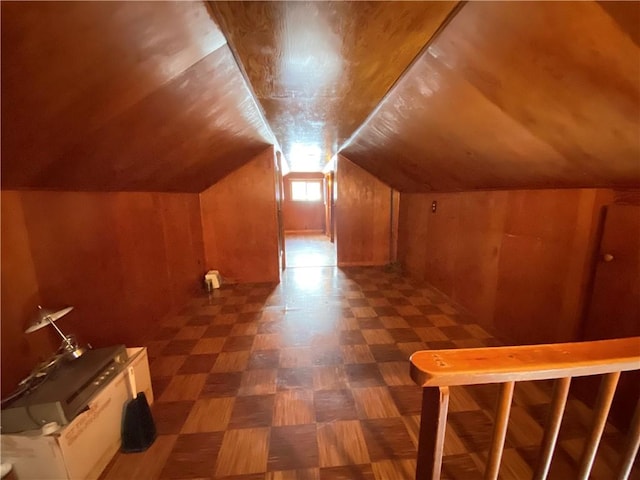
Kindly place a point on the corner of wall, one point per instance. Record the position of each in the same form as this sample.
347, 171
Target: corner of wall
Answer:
20, 296
363, 216
239, 223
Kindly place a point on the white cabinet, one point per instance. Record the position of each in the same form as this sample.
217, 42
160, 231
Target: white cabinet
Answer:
83, 448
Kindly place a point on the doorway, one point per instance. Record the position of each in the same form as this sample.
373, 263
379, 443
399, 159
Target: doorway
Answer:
614, 308
307, 220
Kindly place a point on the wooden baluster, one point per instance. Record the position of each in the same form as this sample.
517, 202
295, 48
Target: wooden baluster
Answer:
499, 431
433, 424
475, 366
560, 393
631, 449
601, 411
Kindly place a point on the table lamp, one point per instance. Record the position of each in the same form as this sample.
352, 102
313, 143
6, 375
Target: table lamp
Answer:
69, 347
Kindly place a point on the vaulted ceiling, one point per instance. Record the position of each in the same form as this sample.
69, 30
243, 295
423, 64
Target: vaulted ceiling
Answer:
122, 96
319, 68
428, 96
514, 95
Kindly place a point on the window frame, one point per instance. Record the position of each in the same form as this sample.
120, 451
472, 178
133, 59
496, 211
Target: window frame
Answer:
306, 181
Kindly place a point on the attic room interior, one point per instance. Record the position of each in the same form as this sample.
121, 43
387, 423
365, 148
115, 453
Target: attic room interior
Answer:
475, 169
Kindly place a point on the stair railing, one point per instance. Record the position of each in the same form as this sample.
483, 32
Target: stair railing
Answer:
437, 370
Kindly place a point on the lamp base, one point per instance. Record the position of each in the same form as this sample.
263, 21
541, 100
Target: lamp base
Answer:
70, 349
77, 352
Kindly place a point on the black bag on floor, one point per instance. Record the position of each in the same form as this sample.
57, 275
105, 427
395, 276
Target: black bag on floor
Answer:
138, 427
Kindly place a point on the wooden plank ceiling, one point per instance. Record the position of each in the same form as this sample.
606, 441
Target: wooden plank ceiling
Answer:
122, 96
319, 68
514, 95
428, 96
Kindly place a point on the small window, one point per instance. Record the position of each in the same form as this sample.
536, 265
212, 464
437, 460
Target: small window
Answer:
303, 191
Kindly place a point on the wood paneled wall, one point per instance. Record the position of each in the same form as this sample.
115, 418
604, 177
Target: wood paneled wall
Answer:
363, 217
519, 260
20, 297
123, 260
239, 223
301, 216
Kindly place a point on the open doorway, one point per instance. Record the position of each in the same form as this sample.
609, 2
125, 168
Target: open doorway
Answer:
307, 218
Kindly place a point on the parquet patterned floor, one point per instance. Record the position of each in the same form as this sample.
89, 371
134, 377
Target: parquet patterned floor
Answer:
309, 380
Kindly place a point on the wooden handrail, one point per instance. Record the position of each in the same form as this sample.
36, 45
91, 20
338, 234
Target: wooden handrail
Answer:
475, 366
437, 370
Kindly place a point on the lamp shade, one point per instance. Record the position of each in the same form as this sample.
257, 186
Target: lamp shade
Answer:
45, 316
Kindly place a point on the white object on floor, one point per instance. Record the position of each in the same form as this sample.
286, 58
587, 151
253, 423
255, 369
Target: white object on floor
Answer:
50, 428
212, 279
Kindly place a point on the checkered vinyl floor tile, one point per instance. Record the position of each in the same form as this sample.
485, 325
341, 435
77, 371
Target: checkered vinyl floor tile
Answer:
309, 379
